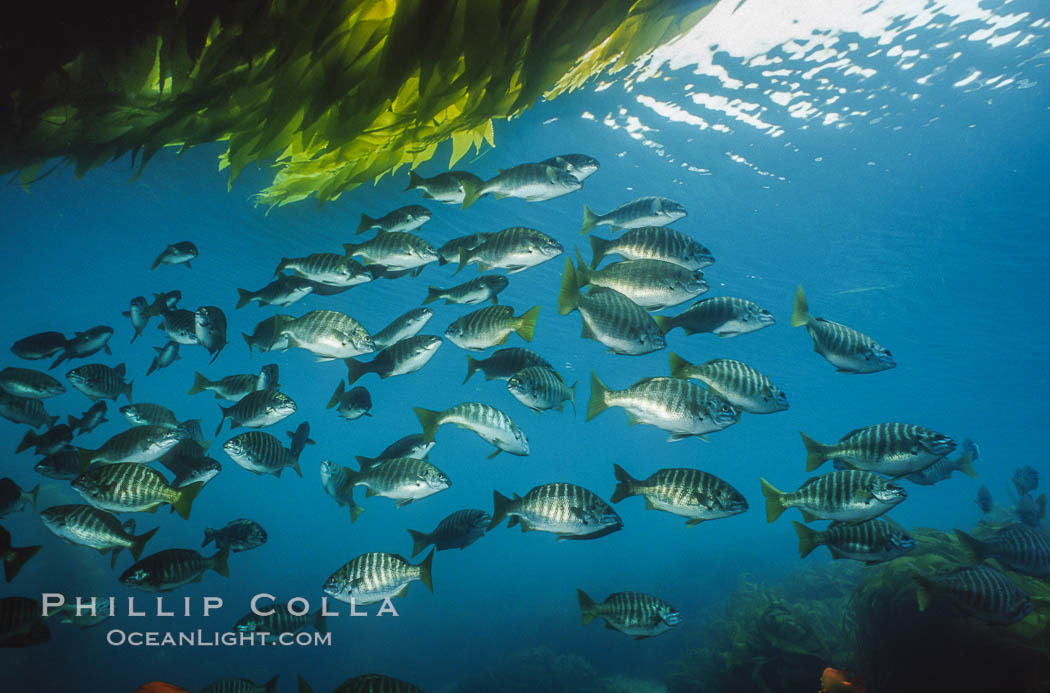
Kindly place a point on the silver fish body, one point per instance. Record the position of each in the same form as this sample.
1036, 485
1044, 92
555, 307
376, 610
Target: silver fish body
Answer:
736, 382
609, 317
329, 335
636, 214
725, 316
567, 510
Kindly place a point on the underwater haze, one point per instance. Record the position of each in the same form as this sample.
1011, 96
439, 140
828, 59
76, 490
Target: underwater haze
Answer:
889, 157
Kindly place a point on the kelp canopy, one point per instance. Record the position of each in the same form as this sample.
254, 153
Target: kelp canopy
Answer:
336, 92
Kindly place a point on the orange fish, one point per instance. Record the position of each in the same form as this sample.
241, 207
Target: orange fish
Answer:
159, 687
837, 681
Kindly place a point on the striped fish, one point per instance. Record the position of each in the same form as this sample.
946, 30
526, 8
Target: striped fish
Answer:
176, 253
232, 685
491, 425
504, 363
652, 284
14, 557
21, 623
412, 445
894, 449
1018, 547
262, 453
210, 326
91, 419
402, 479
406, 356
394, 250
567, 510
848, 496
280, 620
99, 381
180, 325
445, 187
373, 577
451, 251
610, 317
540, 388
339, 485
725, 316
402, 327
257, 409
579, 166
283, 291
328, 334
351, 404
172, 568
94, 528
632, 613
943, 468
736, 382
530, 182
872, 542
491, 325
368, 683
653, 243
83, 344
478, 290
636, 214
26, 382
843, 347
63, 465
190, 469
680, 407
979, 590
407, 218
25, 411
240, 535
269, 334
142, 444
689, 493
457, 531
166, 355
146, 414
232, 387
330, 269
128, 487
48, 442
514, 249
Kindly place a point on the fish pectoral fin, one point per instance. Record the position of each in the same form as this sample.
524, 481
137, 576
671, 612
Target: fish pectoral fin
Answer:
634, 420
649, 504
403, 502
676, 437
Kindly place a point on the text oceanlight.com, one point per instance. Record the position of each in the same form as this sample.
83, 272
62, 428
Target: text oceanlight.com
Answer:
200, 638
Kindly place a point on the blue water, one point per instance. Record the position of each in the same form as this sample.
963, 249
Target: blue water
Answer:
922, 223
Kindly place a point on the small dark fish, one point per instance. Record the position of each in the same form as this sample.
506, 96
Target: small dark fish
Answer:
175, 254
13, 498
1026, 479
63, 465
166, 355
444, 187
47, 443
139, 315
579, 166
407, 218
979, 590
843, 347
179, 325
167, 570
86, 344
352, 404
14, 557
43, 345
631, 613
147, 414
942, 469
99, 381
984, 499
1018, 547
25, 411
1031, 510
413, 445
300, 438
269, 334
504, 363
269, 377
240, 535
338, 482
874, 541
283, 291
279, 620
478, 290
190, 469
725, 316
29, 383
457, 531
89, 420
164, 302
210, 328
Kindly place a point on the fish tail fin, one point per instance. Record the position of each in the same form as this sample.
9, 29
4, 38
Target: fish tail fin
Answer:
473, 365
355, 511
583, 272
280, 266
774, 501
966, 464
337, 395
800, 312
500, 506
225, 411
527, 323
127, 390
808, 539
599, 247
424, 570
354, 370
572, 397
471, 192
569, 294
187, 495
320, 621
598, 401
16, 559
73, 422
624, 484
243, 297
420, 541
271, 685
414, 181
974, 549
304, 687
590, 220
33, 494
816, 453
587, 607
200, 383
677, 364
61, 357
367, 222
433, 294
28, 440
365, 462
923, 590
139, 543
209, 536
429, 420
219, 561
